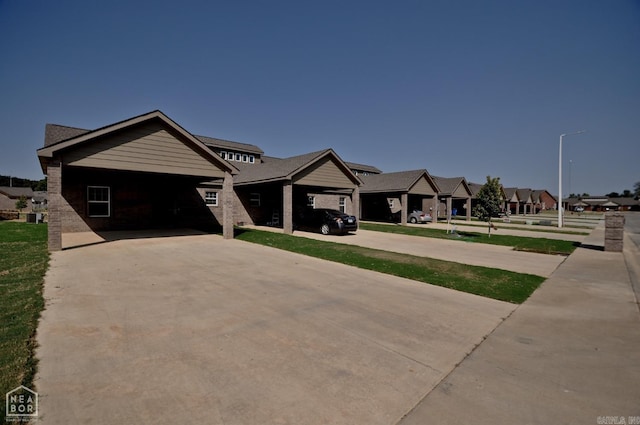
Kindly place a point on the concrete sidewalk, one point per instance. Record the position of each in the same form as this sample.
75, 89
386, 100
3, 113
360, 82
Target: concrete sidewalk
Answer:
504, 229
570, 354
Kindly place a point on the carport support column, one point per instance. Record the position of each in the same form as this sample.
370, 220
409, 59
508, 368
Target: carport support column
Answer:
449, 208
355, 202
227, 203
54, 188
469, 209
434, 210
404, 200
287, 207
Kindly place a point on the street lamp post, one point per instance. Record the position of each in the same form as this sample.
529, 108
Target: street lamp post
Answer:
560, 216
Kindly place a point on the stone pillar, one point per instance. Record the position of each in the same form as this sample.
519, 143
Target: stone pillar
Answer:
469, 209
54, 189
404, 200
613, 232
434, 212
227, 206
287, 207
355, 202
449, 208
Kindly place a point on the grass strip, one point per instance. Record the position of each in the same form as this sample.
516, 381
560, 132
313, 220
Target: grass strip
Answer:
535, 228
484, 281
520, 243
23, 263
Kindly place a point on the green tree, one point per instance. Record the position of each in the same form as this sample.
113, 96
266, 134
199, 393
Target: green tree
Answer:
21, 203
489, 201
636, 190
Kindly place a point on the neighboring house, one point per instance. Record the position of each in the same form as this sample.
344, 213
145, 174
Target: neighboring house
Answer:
142, 172
601, 203
526, 201
543, 200
10, 195
511, 200
39, 200
388, 194
456, 194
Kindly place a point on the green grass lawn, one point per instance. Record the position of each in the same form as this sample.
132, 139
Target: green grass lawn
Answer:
493, 283
531, 228
23, 263
541, 245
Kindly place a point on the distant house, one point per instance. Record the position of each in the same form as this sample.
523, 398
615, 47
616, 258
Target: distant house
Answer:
525, 201
601, 203
386, 195
10, 195
456, 194
543, 200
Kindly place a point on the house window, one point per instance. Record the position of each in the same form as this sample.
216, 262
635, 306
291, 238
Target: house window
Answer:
223, 155
245, 158
229, 156
252, 159
211, 198
238, 157
254, 199
311, 201
342, 204
98, 201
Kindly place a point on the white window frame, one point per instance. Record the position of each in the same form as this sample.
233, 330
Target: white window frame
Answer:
230, 156
252, 159
212, 200
342, 204
245, 157
254, 199
238, 157
311, 201
223, 154
90, 201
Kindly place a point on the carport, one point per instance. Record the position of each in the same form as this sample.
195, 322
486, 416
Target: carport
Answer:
456, 194
273, 191
386, 195
140, 173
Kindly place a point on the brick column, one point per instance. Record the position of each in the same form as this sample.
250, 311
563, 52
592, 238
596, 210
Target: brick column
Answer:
449, 208
404, 200
469, 209
227, 206
434, 212
287, 207
613, 232
355, 202
54, 192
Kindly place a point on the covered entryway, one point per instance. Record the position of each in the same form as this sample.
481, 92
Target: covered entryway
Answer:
141, 173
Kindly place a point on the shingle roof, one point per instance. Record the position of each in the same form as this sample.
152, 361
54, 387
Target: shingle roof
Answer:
400, 181
510, 191
273, 169
524, 194
363, 167
228, 144
16, 192
475, 188
54, 133
448, 185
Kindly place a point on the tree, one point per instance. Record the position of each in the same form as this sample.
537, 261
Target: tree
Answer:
21, 203
636, 190
489, 201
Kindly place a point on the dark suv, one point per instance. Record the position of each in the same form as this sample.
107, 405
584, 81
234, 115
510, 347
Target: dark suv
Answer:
325, 221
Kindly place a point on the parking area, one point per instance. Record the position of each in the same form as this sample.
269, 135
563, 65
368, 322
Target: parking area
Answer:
198, 329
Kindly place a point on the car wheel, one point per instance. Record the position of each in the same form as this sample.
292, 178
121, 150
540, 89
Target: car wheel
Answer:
413, 220
324, 229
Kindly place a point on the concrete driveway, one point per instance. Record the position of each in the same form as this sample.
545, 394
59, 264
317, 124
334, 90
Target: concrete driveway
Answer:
195, 329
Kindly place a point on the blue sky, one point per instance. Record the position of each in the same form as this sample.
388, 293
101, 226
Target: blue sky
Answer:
471, 88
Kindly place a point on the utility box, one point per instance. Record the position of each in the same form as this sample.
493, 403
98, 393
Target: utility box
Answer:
613, 232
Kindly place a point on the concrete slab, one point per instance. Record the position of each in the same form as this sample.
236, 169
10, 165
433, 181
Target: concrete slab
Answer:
477, 254
196, 329
568, 355
504, 229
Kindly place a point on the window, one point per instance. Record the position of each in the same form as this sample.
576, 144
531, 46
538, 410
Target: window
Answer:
223, 155
238, 157
211, 198
252, 159
245, 158
311, 201
342, 204
98, 201
230, 156
254, 199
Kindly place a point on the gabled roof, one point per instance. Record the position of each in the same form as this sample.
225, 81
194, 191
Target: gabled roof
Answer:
509, 192
363, 167
475, 188
449, 185
537, 193
276, 169
524, 194
56, 139
16, 192
400, 181
228, 144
